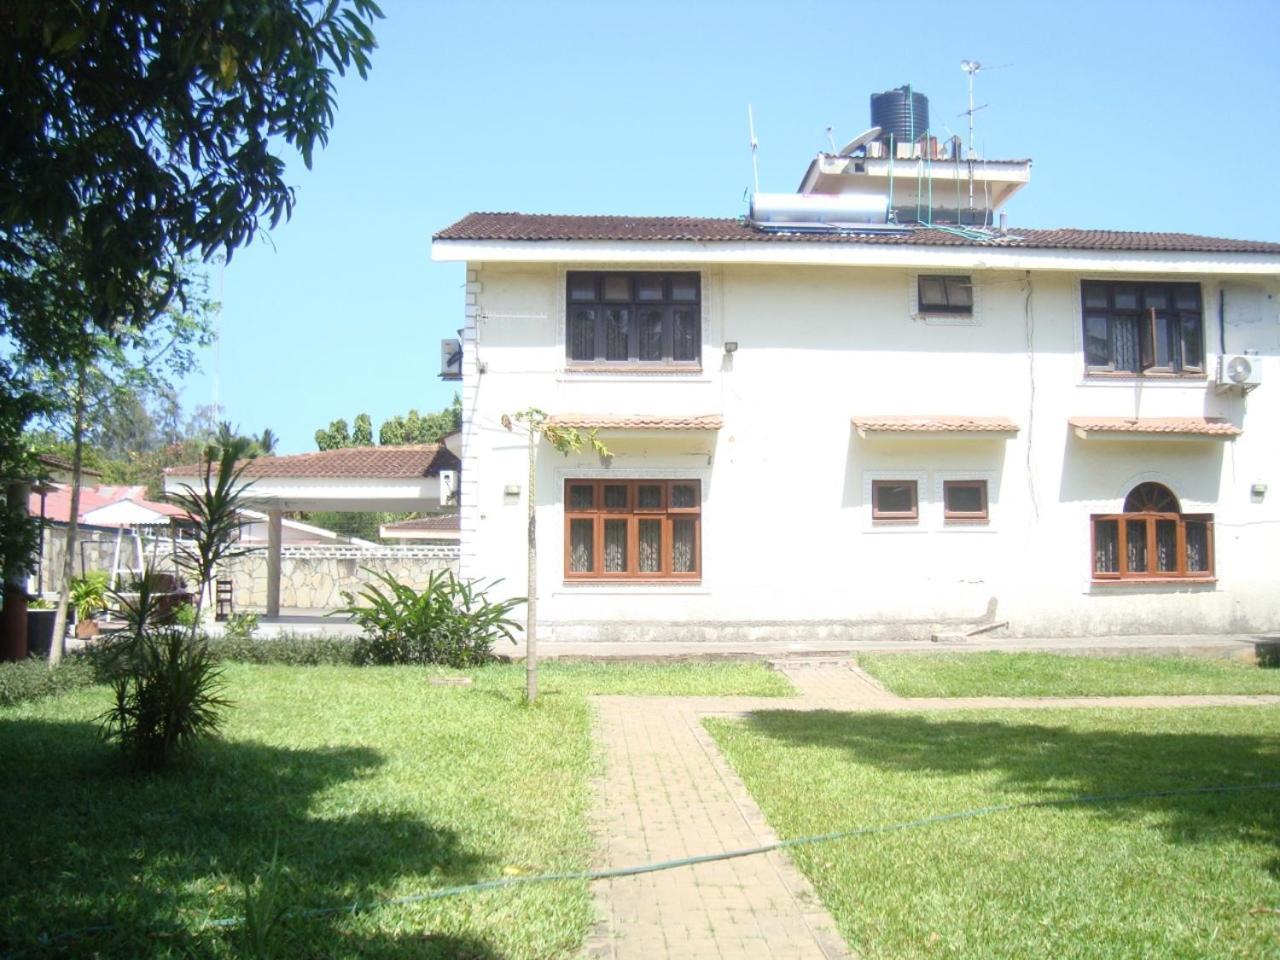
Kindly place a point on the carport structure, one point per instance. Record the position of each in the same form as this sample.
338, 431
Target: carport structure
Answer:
349, 480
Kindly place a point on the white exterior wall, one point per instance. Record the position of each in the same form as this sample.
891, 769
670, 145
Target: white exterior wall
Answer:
789, 549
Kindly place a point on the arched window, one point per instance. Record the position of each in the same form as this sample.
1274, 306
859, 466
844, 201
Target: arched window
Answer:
1152, 539
1151, 498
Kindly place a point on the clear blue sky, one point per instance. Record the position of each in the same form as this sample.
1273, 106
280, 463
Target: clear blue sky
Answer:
1138, 115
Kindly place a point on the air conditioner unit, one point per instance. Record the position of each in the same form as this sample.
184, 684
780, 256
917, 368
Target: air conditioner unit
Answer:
450, 360
1241, 370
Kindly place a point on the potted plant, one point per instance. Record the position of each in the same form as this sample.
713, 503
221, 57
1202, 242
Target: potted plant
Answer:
40, 616
88, 596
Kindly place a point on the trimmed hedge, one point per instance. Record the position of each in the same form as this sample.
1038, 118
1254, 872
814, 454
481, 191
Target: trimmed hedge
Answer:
32, 679
295, 649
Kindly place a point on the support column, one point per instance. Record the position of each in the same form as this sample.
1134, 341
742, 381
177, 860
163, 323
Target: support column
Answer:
274, 537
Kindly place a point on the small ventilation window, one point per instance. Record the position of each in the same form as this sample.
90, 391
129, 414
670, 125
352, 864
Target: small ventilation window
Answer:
894, 500
946, 294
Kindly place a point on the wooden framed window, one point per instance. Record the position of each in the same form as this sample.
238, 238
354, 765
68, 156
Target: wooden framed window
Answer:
1142, 329
634, 319
945, 294
1152, 540
633, 529
965, 501
895, 500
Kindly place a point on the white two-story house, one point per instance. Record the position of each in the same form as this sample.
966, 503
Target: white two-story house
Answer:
857, 414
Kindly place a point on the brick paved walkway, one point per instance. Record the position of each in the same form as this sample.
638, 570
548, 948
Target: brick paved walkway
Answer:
666, 793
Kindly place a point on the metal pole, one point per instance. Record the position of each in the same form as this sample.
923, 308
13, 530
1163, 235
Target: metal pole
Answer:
531, 607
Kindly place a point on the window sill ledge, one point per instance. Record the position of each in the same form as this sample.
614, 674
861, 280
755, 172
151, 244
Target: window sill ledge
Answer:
631, 581
932, 319
635, 588
633, 370
1130, 380
1156, 581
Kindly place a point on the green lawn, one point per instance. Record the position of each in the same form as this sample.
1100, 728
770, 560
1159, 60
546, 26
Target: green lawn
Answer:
1052, 675
1187, 876
369, 782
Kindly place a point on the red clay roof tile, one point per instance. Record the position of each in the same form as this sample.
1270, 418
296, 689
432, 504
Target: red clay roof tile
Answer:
588, 421
376, 463
1193, 426
556, 227
928, 423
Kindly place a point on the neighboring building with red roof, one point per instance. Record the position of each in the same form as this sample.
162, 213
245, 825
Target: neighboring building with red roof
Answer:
104, 505
873, 407
441, 528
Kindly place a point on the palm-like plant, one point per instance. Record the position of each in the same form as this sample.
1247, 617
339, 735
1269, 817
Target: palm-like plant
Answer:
214, 512
166, 683
167, 696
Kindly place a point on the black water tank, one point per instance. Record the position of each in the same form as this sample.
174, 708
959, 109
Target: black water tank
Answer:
901, 112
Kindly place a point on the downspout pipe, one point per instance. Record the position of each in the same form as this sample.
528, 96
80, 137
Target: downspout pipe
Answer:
1222, 320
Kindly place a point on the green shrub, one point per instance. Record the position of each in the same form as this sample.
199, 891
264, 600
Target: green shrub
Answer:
241, 626
450, 621
185, 615
33, 678
89, 594
167, 693
291, 649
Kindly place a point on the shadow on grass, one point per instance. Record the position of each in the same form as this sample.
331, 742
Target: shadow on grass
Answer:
87, 845
1043, 762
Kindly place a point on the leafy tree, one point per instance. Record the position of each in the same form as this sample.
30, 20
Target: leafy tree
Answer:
156, 127
107, 368
134, 133
362, 431
267, 442
416, 428
411, 428
335, 437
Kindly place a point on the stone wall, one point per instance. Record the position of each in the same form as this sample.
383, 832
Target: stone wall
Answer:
94, 549
315, 577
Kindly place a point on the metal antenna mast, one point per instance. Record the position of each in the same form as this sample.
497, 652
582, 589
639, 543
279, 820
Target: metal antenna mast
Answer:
971, 67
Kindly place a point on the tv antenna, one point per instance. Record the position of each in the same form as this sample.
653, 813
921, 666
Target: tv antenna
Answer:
971, 67
755, 145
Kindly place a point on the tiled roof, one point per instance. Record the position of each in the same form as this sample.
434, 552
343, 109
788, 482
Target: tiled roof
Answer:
588, 421
1190, 426
926, 423
57, 502
555, 227
444, 521
376, 463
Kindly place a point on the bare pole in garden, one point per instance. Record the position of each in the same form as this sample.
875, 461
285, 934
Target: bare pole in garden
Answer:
567, 440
